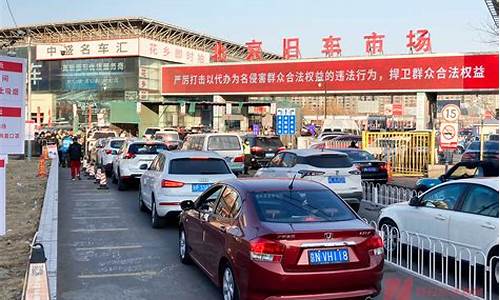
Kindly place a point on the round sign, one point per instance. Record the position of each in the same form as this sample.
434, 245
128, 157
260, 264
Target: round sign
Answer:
451, 112
448, 132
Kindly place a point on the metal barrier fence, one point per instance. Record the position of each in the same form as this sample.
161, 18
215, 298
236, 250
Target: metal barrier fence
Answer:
461, 268
383, 194
408, 152
337, 144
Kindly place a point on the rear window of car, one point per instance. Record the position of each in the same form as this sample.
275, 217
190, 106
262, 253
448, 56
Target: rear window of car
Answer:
151, 131
116, 144
167, 136
359, 155
268, 142
223, 142
488, 146
100, 135
326, 161
145, 148
300, 206
188, 166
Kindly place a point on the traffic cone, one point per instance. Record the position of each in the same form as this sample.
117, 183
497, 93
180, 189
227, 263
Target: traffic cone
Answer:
389, 171
98, 176
91, 171
84, 166
42, 169
103, 182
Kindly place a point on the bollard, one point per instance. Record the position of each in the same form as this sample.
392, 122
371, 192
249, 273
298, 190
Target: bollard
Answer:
37, 286
91, 171
42, 168
98, 176
103, 182
84, 166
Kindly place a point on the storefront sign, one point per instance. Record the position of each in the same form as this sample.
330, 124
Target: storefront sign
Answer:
121, 48
374, 74
12, 87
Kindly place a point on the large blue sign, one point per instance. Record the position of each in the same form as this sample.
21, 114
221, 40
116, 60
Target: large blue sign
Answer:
285, 121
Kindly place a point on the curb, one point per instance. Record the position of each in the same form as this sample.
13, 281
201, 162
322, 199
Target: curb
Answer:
47, 229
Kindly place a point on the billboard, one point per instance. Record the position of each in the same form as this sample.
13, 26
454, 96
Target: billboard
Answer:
452, 72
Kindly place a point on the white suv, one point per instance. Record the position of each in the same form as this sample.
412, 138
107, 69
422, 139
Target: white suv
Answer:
177, 176
333, 169
108, 152
133, 159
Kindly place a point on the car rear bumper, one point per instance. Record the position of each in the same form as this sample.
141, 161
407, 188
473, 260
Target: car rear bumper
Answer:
270, 282
170, 204
351, 197
374, 177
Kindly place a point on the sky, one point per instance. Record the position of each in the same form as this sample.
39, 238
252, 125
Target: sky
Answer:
455, 25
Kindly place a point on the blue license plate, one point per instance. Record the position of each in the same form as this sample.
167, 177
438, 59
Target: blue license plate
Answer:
197, 188
336, 179
326, 257
269, 155
370, 169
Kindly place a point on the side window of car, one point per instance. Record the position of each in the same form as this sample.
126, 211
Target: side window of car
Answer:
289, 160
464, 172
208, 200
444, 197
187, 143
161, 163
277, 161
229, 204
482, 201
154, 163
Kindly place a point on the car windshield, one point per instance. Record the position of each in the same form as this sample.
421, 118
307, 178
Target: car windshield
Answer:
151, 131
268, 142
200, 166
223, 142
146, 148
358, 155
300, 206
488, 146
100, 135
116, 144
326, 161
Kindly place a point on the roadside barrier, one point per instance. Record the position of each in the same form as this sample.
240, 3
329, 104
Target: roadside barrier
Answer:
103, 182
98, 175
384, 194
461, 268
91, 171
36, 282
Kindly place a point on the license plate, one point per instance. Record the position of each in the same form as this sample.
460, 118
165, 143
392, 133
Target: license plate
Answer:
336, 179
269, 155
197, 188
370, 169
326, 257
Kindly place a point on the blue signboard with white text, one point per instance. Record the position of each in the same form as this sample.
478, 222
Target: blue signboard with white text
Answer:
285, 121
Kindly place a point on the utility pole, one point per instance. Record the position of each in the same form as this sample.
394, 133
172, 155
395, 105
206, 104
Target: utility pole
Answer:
28, 94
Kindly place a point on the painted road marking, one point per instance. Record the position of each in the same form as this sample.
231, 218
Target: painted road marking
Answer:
112, 207
94, 200
91, 276
109, 248
99, 230
96, 217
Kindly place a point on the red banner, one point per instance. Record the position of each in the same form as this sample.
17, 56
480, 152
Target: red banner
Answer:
376, 74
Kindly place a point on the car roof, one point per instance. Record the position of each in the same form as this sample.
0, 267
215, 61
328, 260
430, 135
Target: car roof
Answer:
214, 134
166, 131
311, 152
272, 184
142, 141
189, 154
491, 182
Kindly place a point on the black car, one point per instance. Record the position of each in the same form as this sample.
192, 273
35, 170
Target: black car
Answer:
490, 151
263, 148
371, 169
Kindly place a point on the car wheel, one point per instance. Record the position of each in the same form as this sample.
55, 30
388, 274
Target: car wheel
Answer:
229, 287
142, 207
183, 248
390, 233
495, 269
156, 220
121, 184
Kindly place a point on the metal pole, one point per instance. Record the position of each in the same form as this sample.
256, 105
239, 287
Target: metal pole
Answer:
28, 94
325, 112
481, 140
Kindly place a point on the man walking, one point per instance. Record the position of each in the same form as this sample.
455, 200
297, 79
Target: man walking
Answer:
247, 157
75, 156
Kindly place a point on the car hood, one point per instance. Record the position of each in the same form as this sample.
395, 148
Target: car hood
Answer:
428, 182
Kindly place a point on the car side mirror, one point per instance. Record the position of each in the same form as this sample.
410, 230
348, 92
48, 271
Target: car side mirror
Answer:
187, 205
143, 167
442, 178
414, 201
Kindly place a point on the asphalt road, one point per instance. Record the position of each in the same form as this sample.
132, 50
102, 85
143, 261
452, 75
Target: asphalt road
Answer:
108, 250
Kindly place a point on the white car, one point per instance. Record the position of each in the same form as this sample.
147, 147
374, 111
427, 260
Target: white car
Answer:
227, 145
177, 176
333, 169
460, 212
150, 131
133, 159
108, 152
93, 137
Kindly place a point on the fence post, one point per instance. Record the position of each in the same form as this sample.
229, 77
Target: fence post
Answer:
432, 147
375, 193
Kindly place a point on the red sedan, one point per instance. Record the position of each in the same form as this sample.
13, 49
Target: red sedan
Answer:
280, 239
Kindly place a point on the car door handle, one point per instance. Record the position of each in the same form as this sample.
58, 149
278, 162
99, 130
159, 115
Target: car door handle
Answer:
440, 217
222, 228
488, 225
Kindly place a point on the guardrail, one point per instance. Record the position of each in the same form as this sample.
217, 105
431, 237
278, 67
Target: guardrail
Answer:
384, 194
460, 268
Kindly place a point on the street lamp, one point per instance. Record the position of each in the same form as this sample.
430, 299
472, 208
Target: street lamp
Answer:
322, 84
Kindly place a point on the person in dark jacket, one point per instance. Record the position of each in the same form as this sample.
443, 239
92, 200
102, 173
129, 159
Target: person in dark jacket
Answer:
75, 157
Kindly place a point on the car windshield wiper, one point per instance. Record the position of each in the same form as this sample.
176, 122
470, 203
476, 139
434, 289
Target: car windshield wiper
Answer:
208, 173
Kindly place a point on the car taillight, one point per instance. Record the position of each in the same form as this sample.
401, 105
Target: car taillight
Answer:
266, 250
256, 149
281, 149
171, 184
108, 151
382, 167
129, 155
239, 158
375, 245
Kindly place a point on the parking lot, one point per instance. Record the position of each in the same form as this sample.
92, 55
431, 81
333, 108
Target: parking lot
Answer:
108, 250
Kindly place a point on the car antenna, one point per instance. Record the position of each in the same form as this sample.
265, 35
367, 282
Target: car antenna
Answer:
290, 186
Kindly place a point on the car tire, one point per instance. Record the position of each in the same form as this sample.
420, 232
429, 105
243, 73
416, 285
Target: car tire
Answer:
184, 248
142, 206
386, 226
156, 221
121, 185
229, 287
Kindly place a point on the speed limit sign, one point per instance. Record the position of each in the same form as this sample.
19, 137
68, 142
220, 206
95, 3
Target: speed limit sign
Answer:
451, 113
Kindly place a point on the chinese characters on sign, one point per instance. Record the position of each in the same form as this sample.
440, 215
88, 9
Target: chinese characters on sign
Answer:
291, 48
12, 79
374, 43
254, 49
219, 53
331, 46
396, 73
419, 42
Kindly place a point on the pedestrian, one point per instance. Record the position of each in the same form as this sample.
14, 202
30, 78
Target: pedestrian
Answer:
353, 145
66, 142
248, 157
75, 157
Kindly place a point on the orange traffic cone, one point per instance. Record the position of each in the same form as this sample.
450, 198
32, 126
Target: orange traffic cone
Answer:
389, 171
103, 182
42, 169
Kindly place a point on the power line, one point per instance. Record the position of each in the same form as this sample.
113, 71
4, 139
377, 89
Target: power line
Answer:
10, 12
